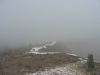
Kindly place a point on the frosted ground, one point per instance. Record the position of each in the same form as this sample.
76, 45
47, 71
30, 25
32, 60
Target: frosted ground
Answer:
69, 69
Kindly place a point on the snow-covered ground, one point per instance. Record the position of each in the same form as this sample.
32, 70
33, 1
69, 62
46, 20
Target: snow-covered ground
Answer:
35, 50
69, 69
71, 54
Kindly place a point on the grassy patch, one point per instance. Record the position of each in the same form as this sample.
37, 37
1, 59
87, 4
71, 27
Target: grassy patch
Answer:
19, 64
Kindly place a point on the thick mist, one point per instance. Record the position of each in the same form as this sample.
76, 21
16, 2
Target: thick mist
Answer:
31, 21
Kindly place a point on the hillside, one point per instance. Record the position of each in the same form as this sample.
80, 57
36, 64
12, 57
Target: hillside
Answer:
34, 61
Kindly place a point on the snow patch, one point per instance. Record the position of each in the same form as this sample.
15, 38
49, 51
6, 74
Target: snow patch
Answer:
35, 50
82, 60
69, 69
44, 52
71, 54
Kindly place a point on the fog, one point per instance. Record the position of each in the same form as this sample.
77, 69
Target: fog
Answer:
31, 21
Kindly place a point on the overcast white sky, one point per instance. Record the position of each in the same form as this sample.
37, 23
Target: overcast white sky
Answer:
24, 21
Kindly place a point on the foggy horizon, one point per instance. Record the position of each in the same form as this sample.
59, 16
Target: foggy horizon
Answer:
23, 22
49, 37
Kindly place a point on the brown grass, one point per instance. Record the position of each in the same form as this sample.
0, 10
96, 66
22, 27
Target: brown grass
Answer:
20, 64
